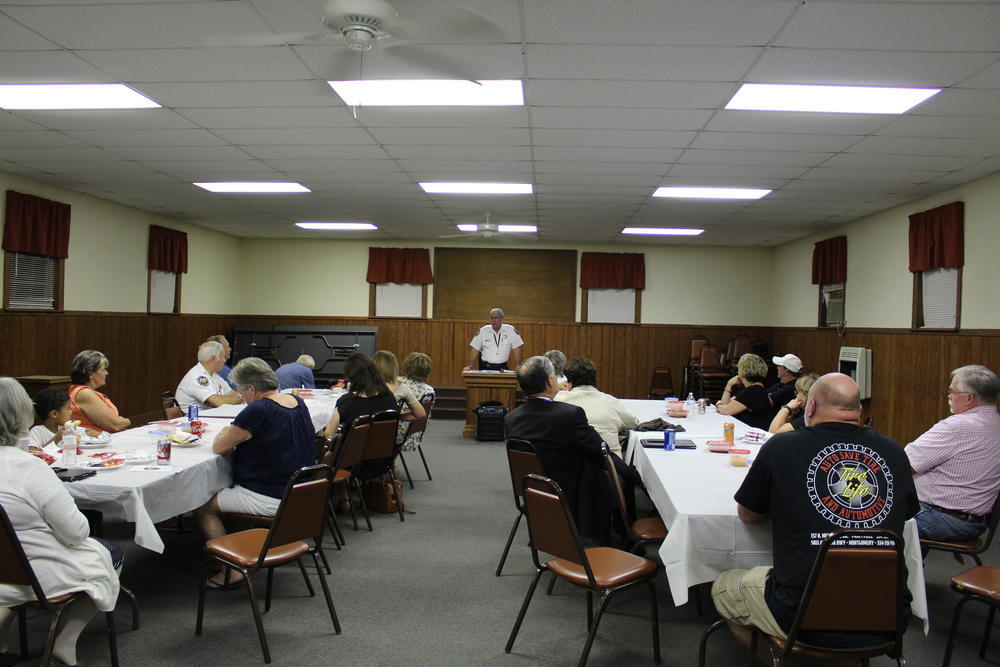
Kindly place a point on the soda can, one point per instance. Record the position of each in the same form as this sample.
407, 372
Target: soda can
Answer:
192, 413
702, 405
729, 432
163, 451
669, 439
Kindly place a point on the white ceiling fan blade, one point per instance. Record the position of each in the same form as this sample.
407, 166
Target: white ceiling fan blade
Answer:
280, 39
434, 64
456, 25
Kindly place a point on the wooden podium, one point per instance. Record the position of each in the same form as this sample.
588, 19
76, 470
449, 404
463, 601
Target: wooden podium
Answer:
486, 386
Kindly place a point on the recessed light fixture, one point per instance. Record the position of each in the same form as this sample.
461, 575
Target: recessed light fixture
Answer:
710, 193
252, 186
829, 99
429, 92
517, 229
477, 188
337, 226
468, 227
662, 231
72, 96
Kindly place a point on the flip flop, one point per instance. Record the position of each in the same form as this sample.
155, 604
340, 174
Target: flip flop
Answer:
232, 585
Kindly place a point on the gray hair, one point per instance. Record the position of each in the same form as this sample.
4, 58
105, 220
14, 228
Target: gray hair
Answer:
558, 360
980, 381
209, 350
16, 412
253, 372
498, 311
533, 375
306, 361
86, 364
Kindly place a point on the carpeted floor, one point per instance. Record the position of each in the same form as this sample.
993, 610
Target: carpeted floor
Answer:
424, 592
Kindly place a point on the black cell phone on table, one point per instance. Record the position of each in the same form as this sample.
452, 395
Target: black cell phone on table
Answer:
653, 443
70, 476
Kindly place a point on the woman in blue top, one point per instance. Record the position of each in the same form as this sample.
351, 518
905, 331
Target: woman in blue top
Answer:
270, 439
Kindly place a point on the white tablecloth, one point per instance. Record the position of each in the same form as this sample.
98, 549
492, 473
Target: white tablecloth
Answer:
693, 491
146, 498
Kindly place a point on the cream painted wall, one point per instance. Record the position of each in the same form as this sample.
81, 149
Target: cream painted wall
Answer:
879, 291
671, 272
106, 268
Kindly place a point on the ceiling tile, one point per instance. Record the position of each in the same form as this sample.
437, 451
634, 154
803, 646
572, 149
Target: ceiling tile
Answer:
639, 62
459, 152
28, 139
240, 94
315, 152
273, 117
943, 126
661, 156
628, 94
615, 118
435, 61
108, 119
341, 136
797, 123
179, 152
262, 63
49, 67
773, 141
927, 146
451, 137
16, 37
146, 137
750, 157
733, 172
446, 117
962, 102
613, 138
895, 162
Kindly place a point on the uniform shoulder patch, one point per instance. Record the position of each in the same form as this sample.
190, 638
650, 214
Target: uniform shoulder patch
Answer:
202, 380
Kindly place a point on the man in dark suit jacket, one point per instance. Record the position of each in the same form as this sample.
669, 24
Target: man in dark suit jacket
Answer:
569, 447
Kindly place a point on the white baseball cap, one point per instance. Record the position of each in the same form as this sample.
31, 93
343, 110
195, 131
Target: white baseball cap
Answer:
789, 361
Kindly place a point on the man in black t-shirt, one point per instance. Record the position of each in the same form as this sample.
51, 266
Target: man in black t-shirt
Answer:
833, 474
789, 369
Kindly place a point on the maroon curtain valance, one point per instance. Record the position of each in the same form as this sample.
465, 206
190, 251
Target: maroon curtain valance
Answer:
937, 237
613, 270
830, 261
168, 249
36, 225
399, 265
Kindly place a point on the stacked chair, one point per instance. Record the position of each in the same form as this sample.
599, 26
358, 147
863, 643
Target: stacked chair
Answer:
694, 362
711, 378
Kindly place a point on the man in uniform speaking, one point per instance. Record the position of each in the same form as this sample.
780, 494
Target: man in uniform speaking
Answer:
493, 344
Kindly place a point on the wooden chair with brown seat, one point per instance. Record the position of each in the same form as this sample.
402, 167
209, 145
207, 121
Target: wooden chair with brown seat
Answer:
522, 459
973, 547
661, 385
601, 570
346, 455
170, 408
299, 518
416, 430
691, 367
379, 458
876, 568
641, 531
980, 584
711, 377
15, 569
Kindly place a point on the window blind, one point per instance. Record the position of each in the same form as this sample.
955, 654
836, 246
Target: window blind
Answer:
940, 298
611, 305
833, 301
398, 300
31, 281
162, 285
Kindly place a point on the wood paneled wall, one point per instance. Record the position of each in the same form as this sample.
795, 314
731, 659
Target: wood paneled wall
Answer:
150, 353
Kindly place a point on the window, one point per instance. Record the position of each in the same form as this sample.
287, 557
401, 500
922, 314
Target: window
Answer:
164, 294
831, 305
397, 300
622, 306
32, 282
937, 298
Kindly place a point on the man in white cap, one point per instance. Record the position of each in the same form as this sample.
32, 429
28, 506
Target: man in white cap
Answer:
789, 370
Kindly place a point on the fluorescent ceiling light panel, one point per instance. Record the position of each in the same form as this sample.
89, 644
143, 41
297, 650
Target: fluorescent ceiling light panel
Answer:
662, 231
429, 92
477, 188
72, 96
468, 227
513, 229
710, 193
828, 99
252, 186
337, 226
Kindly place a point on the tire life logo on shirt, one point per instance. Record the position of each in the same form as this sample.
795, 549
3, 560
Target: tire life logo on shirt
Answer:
850, 485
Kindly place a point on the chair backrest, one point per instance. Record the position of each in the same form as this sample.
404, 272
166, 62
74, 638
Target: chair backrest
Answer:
352, 448
300, 515
742, 344
697, 342
522, 459
710, 357
550, 524
170, 408
418, 426
381, 442
15, 568
616, 483
875, 567
661, 384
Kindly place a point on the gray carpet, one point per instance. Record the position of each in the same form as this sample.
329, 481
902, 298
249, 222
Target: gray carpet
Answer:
423, 592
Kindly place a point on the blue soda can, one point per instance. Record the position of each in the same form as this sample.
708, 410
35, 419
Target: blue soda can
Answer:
192, 413
669, 438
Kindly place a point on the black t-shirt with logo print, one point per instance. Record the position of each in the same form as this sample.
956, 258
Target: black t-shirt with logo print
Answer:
816, 480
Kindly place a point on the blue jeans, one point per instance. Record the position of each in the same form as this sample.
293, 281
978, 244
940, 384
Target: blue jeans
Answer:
933, 524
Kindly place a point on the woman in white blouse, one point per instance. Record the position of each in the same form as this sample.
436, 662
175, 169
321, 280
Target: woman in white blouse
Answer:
52, 531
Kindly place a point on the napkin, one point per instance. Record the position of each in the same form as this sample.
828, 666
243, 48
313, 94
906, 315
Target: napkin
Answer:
756, 435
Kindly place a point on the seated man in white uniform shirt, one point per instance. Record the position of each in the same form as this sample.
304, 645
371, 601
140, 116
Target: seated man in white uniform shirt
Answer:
493, 345
202, 385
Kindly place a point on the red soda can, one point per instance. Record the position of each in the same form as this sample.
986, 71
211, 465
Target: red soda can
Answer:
163, 451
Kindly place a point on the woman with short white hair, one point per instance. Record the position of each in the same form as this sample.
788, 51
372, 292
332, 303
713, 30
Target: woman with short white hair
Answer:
52, 531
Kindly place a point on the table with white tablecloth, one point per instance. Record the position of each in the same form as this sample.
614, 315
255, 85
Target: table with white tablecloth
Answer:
693, 491
196, 474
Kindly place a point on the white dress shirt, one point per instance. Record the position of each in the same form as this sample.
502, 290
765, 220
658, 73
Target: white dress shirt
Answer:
605, 413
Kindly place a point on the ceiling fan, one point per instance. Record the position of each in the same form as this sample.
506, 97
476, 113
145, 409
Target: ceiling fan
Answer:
490, 230
361, 25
